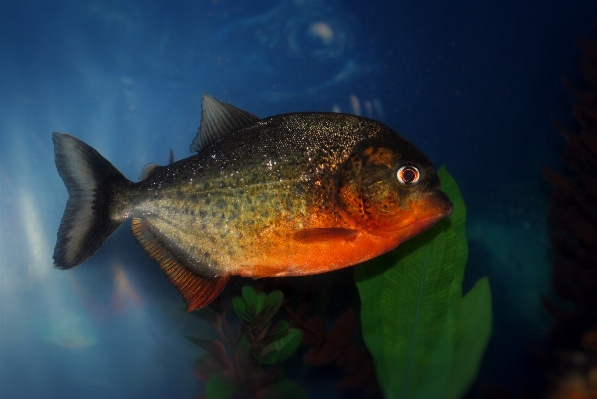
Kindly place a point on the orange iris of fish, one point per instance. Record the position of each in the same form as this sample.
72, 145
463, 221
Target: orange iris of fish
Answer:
289, 195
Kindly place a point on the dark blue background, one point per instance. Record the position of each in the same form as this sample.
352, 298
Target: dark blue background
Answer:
473, 84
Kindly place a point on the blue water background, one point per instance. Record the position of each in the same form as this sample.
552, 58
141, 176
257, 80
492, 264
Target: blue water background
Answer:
473, 84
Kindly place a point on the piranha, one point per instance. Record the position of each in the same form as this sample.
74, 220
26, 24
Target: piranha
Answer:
289, 195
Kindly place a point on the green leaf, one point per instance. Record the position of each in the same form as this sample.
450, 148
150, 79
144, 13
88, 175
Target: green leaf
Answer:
221, 386
426, 340
254, 299
286, 345
471, 338
285, 389
272, 304
279, 330
269, 357
243, 311
289, 343
261, 297
250, 297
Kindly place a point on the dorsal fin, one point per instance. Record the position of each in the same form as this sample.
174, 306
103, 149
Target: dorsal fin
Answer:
217, 120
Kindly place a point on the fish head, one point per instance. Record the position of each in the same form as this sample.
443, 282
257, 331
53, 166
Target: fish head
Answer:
391, 189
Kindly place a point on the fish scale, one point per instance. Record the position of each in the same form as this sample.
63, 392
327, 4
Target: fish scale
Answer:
279, 199
289, 195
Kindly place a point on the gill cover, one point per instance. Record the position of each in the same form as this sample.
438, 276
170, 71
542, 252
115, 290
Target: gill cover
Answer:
378, 187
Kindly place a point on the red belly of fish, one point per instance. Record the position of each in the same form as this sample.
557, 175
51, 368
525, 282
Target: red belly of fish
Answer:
299, 253
298, 257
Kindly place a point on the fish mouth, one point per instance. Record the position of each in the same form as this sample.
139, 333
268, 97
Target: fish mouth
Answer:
432, 208
438, 203
424, 213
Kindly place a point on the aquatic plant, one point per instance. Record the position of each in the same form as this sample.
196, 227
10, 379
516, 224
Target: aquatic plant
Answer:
426, 340
338, 347
572, 364
573, 212
240, 365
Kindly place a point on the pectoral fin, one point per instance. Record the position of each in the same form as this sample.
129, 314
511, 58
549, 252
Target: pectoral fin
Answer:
325, 234
197, 291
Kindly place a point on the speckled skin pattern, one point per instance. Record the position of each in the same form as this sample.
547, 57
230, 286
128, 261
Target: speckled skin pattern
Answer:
294, 194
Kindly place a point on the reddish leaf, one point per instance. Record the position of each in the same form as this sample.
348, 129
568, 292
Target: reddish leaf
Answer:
556, 310
563, 276
589, 161
589, 47
334, 342
355, 381
343, 332
313, 330
588, 70
572, 153
337, 347
582, 228
266, 379
558, 216
324, 353
352, 359
589, 139
563, 131
556, 178
206, 366
587, 206
586, 279
589, 182
211, 316
558, 243
218, 351
360, 373
584, 96
579, 253
297, 319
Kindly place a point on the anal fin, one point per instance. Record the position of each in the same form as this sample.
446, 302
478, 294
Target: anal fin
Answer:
197, 291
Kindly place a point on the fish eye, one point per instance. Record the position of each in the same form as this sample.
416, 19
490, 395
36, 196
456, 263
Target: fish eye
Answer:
408, 175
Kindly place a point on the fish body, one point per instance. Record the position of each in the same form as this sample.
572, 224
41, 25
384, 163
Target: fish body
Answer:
289, 195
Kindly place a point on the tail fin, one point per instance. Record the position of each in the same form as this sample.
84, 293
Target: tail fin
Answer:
86, 223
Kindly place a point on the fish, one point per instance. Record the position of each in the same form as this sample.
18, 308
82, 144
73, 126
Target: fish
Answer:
288, 195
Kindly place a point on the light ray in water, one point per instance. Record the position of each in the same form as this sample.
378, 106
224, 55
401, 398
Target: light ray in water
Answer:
40, 261
125, 293
328, 42
372, 108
